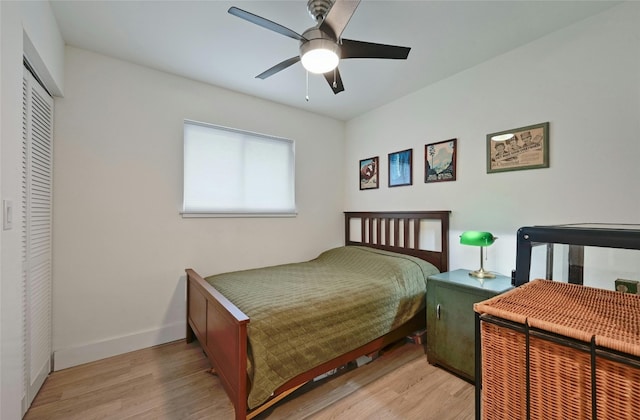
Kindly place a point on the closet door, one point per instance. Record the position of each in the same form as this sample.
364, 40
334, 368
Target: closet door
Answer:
37, 142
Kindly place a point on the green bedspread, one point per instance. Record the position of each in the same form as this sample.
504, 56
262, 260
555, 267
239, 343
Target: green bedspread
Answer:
304, 314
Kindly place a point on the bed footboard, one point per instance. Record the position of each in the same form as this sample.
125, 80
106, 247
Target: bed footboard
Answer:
221, 329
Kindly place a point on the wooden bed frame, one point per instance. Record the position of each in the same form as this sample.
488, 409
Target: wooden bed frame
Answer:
221, 328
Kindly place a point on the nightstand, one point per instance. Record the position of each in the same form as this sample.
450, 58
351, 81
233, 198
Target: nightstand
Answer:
451, 320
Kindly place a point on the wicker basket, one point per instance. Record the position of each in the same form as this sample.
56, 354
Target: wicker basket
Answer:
560, 351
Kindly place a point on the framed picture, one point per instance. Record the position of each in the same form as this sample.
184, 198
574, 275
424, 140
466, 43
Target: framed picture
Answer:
440, 161
400, 169
518, 148
369, 173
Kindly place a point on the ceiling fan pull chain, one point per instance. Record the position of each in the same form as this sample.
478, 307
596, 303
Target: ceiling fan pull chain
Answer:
307, 96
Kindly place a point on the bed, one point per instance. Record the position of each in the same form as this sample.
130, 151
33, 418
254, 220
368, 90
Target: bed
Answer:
259, 364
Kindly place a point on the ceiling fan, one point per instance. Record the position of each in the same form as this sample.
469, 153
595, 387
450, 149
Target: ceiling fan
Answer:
321, 46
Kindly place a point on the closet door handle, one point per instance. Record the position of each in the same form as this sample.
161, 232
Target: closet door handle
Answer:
438, 311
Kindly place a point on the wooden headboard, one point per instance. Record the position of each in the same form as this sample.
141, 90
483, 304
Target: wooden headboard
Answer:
423, 234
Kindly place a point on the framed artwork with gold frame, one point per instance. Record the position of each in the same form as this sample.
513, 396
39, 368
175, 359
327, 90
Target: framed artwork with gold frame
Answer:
518, 148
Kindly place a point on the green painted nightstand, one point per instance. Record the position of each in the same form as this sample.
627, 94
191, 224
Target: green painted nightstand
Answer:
451, 320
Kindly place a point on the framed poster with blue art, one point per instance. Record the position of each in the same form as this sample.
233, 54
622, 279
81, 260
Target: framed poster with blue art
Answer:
440, 161
400, 170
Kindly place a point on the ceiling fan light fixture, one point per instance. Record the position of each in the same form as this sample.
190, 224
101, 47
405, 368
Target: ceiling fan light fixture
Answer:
322, 46
320, 55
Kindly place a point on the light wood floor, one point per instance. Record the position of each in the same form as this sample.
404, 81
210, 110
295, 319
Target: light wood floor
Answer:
172, 382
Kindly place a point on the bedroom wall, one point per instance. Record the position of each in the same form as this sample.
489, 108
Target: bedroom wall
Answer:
120, 244
584, 80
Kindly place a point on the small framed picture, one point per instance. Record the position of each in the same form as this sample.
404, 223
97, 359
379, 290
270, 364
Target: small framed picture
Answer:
518, 148
440, 161
369, 173
400, 168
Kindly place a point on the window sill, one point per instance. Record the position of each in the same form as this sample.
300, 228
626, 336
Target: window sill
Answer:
195, 215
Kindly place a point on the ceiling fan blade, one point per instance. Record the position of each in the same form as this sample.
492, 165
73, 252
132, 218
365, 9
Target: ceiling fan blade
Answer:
265, 23
278, 67
338, 17
331, 78
361, 49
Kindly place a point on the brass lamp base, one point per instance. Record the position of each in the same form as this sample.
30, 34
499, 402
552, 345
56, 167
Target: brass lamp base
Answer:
482, 274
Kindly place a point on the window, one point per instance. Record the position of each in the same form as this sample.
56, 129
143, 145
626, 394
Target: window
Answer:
234, 172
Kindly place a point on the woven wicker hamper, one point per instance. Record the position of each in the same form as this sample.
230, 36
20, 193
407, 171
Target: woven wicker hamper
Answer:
553, 350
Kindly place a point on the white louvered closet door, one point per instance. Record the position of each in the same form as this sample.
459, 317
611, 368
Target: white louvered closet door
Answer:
37, 142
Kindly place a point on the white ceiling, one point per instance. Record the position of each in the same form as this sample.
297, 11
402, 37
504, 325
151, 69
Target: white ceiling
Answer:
201, 41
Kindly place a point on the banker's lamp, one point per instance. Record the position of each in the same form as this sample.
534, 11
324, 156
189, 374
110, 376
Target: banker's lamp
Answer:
481, 239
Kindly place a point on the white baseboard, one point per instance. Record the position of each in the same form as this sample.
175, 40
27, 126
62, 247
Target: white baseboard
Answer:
74, 356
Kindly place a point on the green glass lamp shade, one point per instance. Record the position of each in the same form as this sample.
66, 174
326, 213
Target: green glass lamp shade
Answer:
477, 238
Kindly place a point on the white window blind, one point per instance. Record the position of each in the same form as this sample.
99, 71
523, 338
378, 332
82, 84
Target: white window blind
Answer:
234, 172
